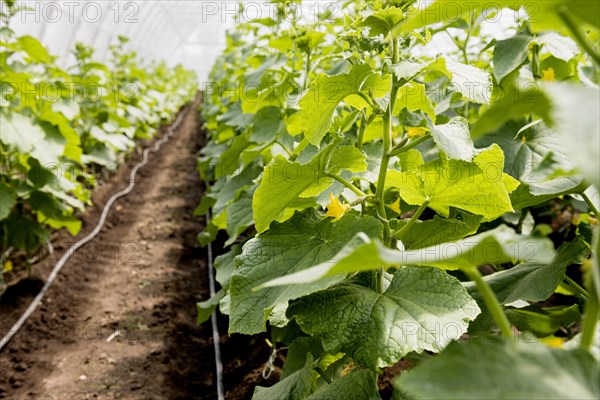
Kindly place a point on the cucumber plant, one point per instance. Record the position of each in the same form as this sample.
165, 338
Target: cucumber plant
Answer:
384, 203
59, 128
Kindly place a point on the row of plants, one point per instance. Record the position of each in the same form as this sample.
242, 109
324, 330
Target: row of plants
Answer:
64, 128
381, 204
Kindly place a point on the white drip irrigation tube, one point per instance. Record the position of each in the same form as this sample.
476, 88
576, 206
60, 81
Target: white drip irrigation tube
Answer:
69, 253
213, 320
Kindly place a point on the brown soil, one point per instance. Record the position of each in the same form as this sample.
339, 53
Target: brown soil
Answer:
137, 283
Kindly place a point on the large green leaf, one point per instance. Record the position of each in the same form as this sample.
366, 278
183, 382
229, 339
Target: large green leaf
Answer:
502, 369
510, 54
299, 243
28, 137
479, 187
534, 281
319, 103
422, 309
495, 246
287, 186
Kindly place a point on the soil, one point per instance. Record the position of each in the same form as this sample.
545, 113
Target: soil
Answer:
119, 321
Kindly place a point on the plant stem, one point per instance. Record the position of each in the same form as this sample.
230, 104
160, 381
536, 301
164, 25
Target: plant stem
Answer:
535, 61
349, 185
289, 153
591, 205
410, 145
361, 130
305, 85
323, 375
490, 300
582, 292
412, 220
385, 162
579, 37
366, 98
301, 146
590, 322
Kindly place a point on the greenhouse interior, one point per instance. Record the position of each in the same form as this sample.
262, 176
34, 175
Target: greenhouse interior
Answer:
300, 199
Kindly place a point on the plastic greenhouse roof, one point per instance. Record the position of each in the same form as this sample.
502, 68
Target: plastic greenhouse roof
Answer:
189, 32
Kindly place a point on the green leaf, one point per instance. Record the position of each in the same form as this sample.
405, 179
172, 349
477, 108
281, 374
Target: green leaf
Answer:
319, 103
413, 97
528, 152
381, 22
278, 194
224, 265
297, 386
534, 280
299, 243
28, 137
206, 308
510, 54
480, 187
377, 330
543, 322
287, 186
34, 49
538, 193
575, 111
437, 230
358, 384
297, 352
495, 246
239, 216
8, 199
454, 139
267, 124
522, 99
24, 232
501, 369
561, 47
473, 83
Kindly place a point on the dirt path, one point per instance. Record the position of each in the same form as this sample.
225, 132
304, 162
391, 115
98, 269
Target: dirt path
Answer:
119, 322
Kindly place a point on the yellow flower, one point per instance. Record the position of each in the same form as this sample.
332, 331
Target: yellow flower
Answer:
335, 208
348, 368
413, 132
548, 75
553, 341
8, 266
395, 206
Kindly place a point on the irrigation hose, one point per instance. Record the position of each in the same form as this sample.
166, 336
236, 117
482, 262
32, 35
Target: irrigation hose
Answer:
69, 253
213, 320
